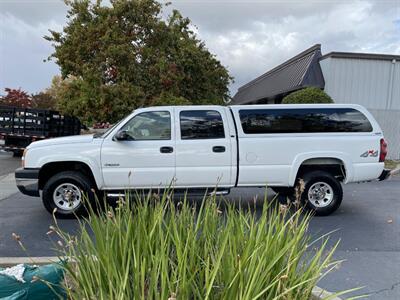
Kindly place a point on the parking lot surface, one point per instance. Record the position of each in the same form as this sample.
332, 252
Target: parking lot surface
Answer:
8, 163
367, 225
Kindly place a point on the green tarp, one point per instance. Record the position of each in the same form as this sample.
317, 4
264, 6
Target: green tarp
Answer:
42, 282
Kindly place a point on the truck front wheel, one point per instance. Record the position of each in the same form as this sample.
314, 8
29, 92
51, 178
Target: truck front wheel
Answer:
66, 192
322, 194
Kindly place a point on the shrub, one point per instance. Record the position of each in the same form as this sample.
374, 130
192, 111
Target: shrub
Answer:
307, 95
154, 248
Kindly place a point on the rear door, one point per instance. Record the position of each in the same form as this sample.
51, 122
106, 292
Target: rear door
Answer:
203, 147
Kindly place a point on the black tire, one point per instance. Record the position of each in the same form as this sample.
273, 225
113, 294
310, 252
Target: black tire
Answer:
73, 178
331, 193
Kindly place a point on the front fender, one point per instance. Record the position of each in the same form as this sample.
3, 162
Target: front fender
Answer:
90, 155
302, 157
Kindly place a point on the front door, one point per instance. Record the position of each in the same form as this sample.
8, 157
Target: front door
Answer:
147, 158
203, 147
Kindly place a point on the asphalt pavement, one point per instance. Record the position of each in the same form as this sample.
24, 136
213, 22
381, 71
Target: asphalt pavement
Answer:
8, 163
367, 225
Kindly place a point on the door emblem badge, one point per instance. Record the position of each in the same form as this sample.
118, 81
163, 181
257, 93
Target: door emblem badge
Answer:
111, 165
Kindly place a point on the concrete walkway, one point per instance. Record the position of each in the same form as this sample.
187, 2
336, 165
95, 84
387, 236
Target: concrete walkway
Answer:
7, 186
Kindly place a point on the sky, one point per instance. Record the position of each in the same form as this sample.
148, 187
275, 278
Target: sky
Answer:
248, 37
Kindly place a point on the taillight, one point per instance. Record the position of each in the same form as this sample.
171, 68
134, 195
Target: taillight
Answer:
384, 150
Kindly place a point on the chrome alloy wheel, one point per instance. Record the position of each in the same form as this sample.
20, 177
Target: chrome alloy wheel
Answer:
320, 194
67, 196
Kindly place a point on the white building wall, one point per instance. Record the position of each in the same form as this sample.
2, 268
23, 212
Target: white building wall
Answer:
374, 84
395, 101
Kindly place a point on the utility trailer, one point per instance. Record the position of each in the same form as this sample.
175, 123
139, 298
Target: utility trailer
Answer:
21, 126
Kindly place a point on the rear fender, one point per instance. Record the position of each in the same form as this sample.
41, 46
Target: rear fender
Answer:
302, 157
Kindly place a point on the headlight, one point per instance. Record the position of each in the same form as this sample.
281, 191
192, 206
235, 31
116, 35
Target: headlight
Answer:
23, 158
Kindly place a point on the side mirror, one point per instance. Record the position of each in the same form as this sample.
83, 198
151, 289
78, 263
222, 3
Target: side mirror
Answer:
122, 135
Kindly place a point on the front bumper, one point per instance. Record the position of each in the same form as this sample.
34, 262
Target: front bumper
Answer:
28, 181
385, 174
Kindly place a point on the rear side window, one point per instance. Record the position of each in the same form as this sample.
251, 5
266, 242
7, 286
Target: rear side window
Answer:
201, 124
258, 121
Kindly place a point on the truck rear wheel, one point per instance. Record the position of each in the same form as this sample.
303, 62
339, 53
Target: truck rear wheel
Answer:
322, 194
66, 192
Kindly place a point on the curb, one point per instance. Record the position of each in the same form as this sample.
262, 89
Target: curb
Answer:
317, 292
41, 260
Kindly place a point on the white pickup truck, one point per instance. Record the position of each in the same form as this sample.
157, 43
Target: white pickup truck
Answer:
204, 147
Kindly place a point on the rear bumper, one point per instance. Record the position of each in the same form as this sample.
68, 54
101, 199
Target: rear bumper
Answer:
28, 181
384, 175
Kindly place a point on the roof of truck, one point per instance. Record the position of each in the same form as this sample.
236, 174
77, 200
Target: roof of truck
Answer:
258, 106
300, 106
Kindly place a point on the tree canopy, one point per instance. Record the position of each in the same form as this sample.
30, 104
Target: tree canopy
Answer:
125, 54
44, 100
307, 95
16, 97
20, 98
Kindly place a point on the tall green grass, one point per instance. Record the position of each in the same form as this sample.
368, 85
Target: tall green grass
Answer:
153, 248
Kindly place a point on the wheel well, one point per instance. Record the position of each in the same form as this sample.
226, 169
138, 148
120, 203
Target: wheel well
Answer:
334, 166
50, 169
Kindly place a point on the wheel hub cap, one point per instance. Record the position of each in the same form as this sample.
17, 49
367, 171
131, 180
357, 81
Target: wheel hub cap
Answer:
320, 194
67, 196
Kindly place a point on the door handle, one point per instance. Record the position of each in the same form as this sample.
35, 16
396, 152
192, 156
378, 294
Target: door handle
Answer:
166, 149
218, 149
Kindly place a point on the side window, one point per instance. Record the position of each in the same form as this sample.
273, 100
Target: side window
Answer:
201, 124
259, 121
154, 125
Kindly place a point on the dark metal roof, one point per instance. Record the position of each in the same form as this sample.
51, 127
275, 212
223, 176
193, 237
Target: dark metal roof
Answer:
361, 56
296, 73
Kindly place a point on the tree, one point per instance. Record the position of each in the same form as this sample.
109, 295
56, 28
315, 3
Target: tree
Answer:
20, 98
16, 97
308, 95
44, 100
125, 55
62, 91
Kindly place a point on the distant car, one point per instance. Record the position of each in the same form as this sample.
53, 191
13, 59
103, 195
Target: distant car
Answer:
21, 126
102, 125
201, 147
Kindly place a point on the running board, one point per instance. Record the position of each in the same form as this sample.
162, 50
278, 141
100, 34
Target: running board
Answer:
193, 192
219, 193
114, 195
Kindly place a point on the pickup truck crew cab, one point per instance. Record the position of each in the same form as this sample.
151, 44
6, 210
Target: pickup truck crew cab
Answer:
200, 147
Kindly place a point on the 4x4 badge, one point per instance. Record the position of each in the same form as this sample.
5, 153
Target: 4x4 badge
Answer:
370, 153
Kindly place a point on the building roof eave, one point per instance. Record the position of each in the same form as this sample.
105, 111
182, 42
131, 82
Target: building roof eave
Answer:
301, 70
353, 55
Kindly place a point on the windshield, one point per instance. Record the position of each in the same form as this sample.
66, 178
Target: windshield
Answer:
107, 132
